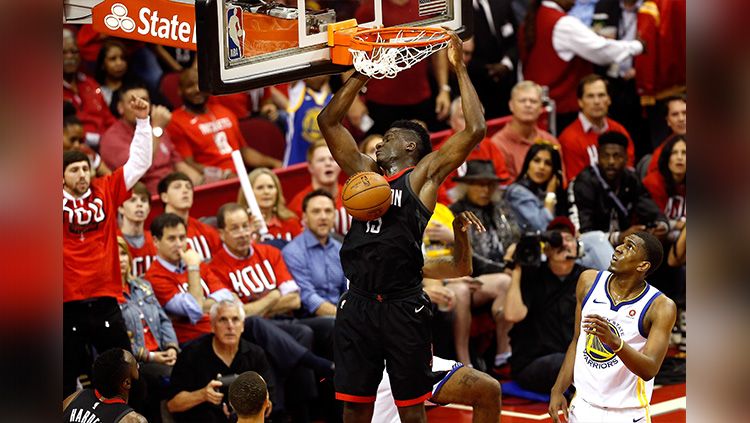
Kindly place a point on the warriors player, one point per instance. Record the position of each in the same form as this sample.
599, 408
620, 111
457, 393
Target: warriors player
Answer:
626, 328
385, 316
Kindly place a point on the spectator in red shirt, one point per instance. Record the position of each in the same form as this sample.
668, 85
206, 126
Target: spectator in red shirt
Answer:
676, 121
176, 192
205, 133
518, 135
84, 93
133, 213
282, 223
579, 140
324, 174
73, 139
116, 140
91, 270
667, 186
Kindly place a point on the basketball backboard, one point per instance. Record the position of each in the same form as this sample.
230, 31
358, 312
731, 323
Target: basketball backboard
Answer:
245, 44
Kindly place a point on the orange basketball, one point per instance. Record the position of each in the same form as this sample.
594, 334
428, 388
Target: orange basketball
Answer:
366, 195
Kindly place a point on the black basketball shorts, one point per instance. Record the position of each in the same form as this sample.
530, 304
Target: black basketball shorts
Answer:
373, 331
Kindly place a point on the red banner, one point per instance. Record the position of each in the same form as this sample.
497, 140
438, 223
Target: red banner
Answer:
161, 22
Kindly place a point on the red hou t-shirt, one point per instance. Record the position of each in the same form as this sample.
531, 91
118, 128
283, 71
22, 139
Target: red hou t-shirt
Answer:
141, 257
91, 265
202, 238
253, 277
208, 138
343, 220
167, 284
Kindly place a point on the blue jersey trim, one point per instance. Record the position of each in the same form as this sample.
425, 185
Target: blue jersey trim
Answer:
641, 330
442, 382
588, 294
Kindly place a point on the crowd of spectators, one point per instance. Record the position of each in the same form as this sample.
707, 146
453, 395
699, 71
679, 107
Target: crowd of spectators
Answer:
592, 145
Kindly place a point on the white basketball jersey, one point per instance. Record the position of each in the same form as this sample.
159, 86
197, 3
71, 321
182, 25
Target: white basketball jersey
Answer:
599, 376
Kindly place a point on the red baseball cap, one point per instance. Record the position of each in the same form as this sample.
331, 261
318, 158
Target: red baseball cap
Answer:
562, 222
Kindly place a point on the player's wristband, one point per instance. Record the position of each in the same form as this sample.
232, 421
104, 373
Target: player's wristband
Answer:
622, 343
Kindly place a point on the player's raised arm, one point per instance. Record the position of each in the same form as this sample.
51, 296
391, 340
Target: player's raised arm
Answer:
340, 141
557, 401
436, 166
459, 264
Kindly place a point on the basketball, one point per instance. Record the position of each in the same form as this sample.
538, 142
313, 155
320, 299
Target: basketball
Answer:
366, 195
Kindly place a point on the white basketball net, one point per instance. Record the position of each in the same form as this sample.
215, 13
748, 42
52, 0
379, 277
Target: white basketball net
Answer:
387, 62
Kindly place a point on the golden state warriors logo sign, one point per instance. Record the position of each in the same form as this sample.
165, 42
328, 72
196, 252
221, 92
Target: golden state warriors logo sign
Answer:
598, 355
310, 129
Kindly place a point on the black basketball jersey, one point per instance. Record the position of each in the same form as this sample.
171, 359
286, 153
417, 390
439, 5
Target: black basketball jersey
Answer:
384, 255
89, 408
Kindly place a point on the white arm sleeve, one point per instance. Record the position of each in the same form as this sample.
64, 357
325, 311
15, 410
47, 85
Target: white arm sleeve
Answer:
570, 37
141, 153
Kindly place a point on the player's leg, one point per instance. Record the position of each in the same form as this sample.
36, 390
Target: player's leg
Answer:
413, 413
471, 387
356, 412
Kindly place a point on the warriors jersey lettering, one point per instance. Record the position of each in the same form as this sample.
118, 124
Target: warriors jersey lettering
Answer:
91, 266
202, 238
167, 284
90, 407
600, 377
384, 255
253, 277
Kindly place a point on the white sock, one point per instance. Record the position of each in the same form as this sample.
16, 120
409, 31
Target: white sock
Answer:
502, 358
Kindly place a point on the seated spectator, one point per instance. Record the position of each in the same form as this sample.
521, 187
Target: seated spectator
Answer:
537, 195
111, 70
84, 93
485, 150
578, 140
324, 174
152, 337
541, 303
518, 135
73, 139
198, 394
114, 372
205, 134
668, 187
313, 257
184, 286
248, 396
281, 222
608, 202
176, 192
367, 146
481, 197
306, 99
133, 213
676, 118
116, 140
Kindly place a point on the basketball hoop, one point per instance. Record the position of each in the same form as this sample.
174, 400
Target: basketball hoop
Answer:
384, 52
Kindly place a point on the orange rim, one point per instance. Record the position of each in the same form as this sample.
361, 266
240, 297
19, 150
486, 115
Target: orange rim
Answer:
360, 40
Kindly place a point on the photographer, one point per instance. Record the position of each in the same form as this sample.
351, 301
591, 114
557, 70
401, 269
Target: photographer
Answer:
206, 367
541, 303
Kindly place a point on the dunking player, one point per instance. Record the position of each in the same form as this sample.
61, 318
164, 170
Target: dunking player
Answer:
626, 328
385, 315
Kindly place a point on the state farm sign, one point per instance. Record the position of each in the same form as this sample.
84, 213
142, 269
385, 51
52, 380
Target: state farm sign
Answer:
161, 22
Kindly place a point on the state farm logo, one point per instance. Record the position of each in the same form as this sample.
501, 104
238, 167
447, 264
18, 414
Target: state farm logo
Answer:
119, 19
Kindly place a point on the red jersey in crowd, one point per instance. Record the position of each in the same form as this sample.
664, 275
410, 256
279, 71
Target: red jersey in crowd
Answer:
674, 206
202, 238
343, 220
91, 108
91, 264
578, 145
285, 229
208, 138
253, 277
167, 284
143, 256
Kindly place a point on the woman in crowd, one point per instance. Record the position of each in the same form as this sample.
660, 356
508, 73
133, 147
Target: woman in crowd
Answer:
282, 223
152, 338
477, 192
111, 70
537, 195
667, 186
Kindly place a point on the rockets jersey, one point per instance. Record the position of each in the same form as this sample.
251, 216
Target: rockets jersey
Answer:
202, 238
141, 257
167, 284
89, 406
302, 121
600, 377
385, 255
91, 264
343, 220
253, 277
208, 138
